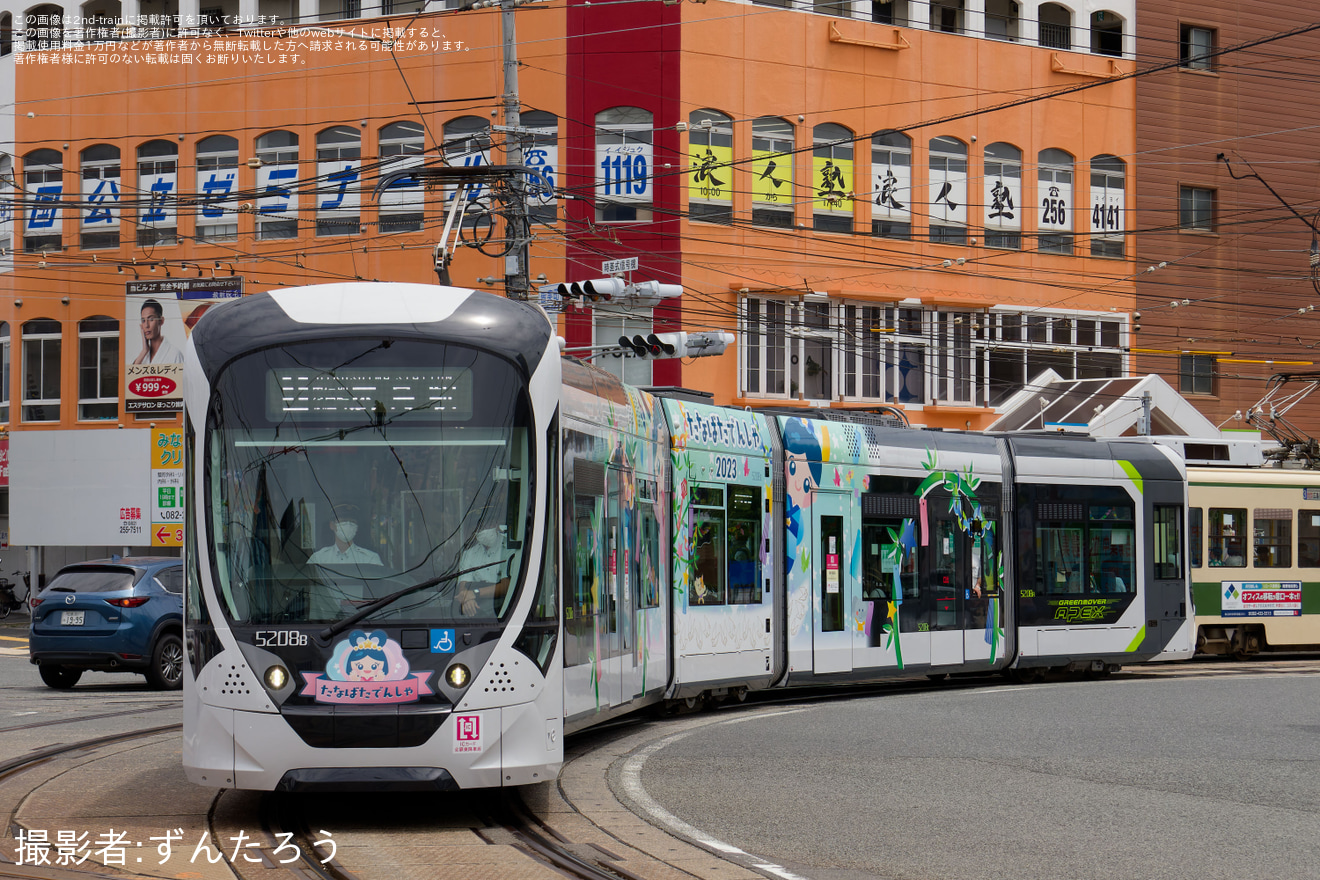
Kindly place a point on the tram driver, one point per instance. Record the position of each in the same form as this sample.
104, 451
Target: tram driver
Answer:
486, 583
344, 527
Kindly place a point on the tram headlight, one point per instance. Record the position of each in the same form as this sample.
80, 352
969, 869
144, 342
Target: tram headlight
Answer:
276, 677
458, 675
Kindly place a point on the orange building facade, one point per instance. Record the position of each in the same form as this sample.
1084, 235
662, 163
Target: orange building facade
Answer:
914, 205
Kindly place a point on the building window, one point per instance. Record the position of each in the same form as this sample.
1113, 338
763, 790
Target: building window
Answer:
789, 348
157, 188
1196, 208
98, 368
45, 27
947, 16
467, 143
764, 346
217, 179
882, 11
403, 203
1195, 47
1106, 33
772, 172
100, 197
1003, 197
1001, 20
611, 322
1017, 348
1108, 215
338, 168
832, 178
6, 34
6, 198
1054, 185
4, 371
1196, 374
1055, 27
710, 168
948, 191
277, 185
41, 370
624, 164
884, 353
43, 184
891, 172
541, 154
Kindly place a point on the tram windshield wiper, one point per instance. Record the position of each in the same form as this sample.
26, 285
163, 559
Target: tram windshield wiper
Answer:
335, 628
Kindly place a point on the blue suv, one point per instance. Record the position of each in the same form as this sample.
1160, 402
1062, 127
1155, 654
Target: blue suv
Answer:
111, 615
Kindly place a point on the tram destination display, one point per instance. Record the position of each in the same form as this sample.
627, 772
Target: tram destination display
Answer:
304, 394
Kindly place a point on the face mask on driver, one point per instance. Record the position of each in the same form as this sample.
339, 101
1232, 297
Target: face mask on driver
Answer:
345, 531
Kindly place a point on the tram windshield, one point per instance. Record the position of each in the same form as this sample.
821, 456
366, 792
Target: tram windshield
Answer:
342, 472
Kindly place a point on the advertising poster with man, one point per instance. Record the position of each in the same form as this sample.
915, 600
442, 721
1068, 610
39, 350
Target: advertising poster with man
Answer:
164, 313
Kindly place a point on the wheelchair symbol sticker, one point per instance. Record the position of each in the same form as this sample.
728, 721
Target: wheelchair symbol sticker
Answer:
442, 641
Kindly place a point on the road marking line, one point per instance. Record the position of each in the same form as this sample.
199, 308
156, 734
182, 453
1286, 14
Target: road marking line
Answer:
12, 639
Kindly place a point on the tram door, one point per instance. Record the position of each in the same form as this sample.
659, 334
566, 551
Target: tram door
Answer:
947, 582
834, 588
616, 639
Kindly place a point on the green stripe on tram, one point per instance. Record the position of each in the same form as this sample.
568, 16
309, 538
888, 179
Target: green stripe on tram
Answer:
1136, 642
1133, 474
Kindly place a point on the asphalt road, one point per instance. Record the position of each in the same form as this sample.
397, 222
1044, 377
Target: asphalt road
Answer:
1119, 779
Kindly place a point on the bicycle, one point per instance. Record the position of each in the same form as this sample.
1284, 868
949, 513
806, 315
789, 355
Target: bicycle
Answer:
8, 601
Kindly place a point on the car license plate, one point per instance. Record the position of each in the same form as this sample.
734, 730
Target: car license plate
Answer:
71, 618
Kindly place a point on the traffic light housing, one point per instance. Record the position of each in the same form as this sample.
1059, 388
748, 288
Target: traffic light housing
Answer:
596, 289
676, 345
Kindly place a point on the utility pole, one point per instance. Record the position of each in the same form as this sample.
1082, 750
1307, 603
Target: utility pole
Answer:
517, 261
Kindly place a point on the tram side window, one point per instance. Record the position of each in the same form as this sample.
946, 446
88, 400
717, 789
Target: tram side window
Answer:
1273, 537
1059, 557
651, 552
1308, 538
1194, 535
708, 532
1112, 550
1168, 541
744, 546
944, 572
583, 581
1228, 537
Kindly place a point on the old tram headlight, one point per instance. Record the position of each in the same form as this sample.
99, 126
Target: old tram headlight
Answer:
276, 677
458, 675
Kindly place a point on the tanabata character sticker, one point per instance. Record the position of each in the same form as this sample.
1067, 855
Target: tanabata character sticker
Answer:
366, 669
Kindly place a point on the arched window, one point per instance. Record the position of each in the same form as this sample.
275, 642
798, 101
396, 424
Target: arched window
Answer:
44, 27
1108, 206
541, 152
891, 174
772, 172
403, 204
217, 179
4, 371
277, 185
467, 142
338, 191
948, 191
100, 197
710, 168
832, 178
98, 368
157, 190
624, 163
1003, 196
1107, 33
41, 370
98, 25
1001, 19
1054, 193
6, 34
43, 184
1055, 26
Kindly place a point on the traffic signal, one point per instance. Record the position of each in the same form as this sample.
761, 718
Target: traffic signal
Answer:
596, 289
676, 345
655, 345
648, 294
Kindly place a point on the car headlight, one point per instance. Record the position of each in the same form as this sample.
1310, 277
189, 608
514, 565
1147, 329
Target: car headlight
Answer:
458, 675
276, 677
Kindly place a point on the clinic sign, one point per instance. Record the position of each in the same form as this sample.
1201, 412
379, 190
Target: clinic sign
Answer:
164, 312
1255, 599
167, 487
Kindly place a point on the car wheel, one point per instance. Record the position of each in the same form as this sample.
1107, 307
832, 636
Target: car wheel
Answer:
62, 678
166, 670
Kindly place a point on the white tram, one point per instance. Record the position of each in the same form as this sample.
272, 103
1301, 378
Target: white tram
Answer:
423, 547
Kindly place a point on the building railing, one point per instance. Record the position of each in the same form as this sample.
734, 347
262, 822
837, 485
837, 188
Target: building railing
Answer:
1055, 36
